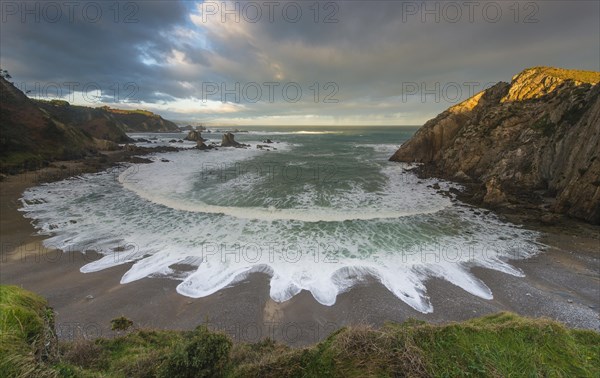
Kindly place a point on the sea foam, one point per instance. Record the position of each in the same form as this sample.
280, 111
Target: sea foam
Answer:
320, 239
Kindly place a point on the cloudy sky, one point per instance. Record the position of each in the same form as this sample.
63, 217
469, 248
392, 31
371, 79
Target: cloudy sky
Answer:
285, 63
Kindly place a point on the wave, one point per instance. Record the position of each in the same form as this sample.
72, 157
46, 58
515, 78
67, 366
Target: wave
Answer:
272, 213
154, 217
300, 132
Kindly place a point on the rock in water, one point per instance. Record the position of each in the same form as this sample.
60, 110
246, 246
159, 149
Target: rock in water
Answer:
229, 141
201, 146
194, 136
538, 134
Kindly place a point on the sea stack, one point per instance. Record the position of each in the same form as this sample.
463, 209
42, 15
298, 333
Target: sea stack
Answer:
229, 141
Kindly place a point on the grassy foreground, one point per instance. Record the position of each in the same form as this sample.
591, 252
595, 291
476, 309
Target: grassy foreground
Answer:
499, 345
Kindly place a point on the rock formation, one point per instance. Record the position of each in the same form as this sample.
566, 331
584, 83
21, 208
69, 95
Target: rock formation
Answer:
142, 121
537, 137
30, 137
97, 122
194, 136
35, 132
229, 141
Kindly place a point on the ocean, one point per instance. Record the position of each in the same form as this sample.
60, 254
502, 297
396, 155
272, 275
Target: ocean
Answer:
319, 209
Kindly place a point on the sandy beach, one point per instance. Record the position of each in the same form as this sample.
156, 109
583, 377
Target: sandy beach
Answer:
562, 283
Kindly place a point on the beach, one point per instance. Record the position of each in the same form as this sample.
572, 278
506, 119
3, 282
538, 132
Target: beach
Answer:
562, 283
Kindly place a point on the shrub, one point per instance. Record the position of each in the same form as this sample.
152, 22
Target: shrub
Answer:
121, 324
204, 354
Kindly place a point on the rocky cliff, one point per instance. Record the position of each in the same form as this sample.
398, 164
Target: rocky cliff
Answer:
96, 122
143, 121
29, 136
34, 132
534, 142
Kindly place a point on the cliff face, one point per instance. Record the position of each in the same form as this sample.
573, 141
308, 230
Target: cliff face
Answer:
106, 123
537, 136
143, 121
29, 136
34, 132
96, 122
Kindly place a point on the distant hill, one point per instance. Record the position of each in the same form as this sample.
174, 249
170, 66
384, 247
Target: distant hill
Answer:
36, 131
142, 121
30, 135
535, 139
96, 122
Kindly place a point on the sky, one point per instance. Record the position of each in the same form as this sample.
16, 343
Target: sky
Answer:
288, 62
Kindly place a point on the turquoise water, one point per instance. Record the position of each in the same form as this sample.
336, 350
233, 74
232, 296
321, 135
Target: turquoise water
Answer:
319, 209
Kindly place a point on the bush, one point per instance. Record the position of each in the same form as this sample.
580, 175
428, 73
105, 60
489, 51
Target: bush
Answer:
120, 324
204, 354
83, 353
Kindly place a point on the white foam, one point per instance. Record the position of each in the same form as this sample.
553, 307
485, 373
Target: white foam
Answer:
386, 148
164, 186
299, 132
158, 215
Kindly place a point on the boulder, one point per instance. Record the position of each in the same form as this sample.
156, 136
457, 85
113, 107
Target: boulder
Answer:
194, 136
201, 146
494, 195
462, 177
229, 141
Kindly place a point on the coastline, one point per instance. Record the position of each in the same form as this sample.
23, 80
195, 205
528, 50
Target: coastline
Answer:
562, 283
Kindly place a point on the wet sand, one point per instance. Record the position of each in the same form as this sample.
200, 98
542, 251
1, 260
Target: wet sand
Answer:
562, 283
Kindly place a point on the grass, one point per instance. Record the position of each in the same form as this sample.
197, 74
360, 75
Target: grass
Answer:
499, 345
27, 334
136, 111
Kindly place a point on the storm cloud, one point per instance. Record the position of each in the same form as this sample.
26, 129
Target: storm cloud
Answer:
288, 62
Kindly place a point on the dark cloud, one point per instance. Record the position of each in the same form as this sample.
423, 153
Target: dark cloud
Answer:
371, 50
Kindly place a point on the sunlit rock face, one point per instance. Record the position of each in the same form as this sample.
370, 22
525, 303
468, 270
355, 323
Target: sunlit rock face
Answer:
540, 132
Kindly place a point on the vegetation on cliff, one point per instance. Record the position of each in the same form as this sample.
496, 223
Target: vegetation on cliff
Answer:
29, 135
95, 122
35, 132
535, 139
142, 121
503, 344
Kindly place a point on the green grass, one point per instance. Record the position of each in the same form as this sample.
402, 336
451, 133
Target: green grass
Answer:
499, 345
27, 333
